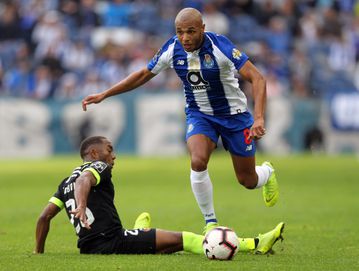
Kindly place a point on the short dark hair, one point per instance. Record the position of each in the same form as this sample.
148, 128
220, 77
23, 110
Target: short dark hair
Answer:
88, 142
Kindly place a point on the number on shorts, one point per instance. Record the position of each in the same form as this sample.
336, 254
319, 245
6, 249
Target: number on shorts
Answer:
247, 136
131, 232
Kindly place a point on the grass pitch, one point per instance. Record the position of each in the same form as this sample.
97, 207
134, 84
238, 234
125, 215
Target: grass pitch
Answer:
318, 201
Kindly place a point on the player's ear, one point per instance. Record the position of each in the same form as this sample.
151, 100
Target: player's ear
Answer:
94, 153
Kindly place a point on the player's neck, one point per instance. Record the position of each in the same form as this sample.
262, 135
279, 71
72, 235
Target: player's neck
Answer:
200, 44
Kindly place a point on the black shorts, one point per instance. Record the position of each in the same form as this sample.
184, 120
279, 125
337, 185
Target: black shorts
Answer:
136, 241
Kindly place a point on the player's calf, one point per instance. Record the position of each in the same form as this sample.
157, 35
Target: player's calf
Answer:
249, 181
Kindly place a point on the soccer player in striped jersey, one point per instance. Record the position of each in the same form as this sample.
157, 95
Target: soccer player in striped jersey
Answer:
215, 106
88, 198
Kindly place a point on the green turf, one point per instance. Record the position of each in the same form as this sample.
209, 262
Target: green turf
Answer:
319, 202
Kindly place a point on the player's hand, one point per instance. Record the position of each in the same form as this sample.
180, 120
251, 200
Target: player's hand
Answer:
258, 130
92, 99
80, 213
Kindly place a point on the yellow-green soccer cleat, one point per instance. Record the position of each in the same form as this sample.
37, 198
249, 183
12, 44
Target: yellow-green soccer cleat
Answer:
267, 240
210, 226
270, 189
143, 221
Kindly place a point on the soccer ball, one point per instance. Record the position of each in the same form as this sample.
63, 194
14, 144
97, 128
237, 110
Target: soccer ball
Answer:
220, 243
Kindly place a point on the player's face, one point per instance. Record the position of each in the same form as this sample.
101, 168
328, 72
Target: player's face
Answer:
106, 153
190, 34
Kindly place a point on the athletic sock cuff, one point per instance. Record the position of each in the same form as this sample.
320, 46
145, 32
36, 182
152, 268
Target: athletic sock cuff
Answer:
199, 175
192, 242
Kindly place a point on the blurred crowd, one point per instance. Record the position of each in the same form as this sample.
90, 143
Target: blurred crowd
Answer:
66, 49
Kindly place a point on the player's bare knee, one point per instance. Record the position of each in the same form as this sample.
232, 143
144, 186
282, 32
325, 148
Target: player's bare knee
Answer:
198, 163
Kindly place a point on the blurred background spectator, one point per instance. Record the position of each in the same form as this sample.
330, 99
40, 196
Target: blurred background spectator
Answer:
309, 47
66, 49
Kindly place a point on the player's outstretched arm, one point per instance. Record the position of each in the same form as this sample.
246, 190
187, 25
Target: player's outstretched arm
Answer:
43, 226
134, 80
82, 190
250, 73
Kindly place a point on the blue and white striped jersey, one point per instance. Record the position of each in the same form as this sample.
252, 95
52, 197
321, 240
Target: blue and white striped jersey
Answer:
207, 74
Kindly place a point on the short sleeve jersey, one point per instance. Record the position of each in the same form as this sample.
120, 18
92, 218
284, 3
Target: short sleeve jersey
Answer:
207, 74
101, 211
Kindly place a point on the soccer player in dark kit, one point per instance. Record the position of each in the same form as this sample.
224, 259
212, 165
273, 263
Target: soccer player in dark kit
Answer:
88, 198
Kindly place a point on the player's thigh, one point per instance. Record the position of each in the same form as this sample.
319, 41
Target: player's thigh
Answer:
242, 149
200, 145
136, 241
201, 135
244, 167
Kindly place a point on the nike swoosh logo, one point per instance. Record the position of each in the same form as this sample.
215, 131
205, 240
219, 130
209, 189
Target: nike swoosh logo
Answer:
269, 199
